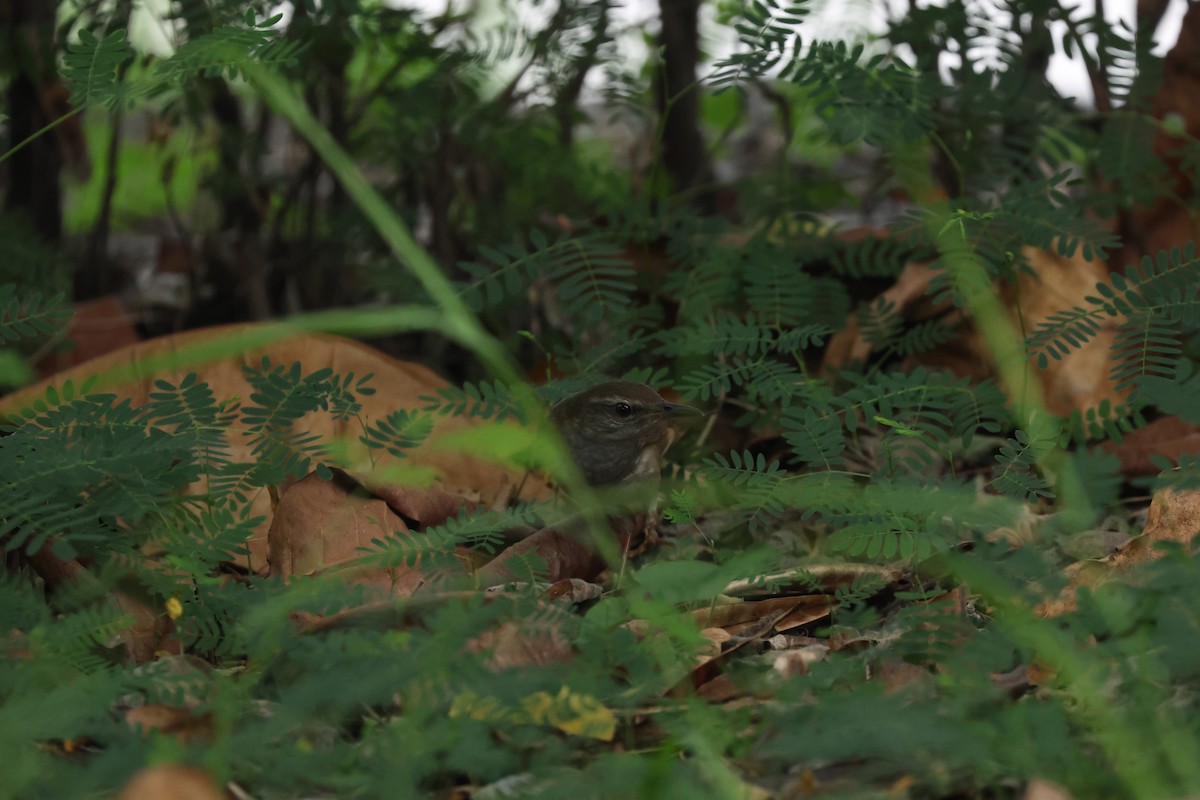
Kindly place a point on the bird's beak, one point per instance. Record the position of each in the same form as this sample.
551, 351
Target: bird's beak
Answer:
677, 410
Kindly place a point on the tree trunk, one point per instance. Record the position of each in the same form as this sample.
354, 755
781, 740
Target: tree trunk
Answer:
683, 151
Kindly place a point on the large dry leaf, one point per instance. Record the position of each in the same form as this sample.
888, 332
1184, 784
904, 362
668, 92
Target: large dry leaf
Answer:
322, 525
132, 371
176, 781
97, 327
788, 613
537, 640
182, 723
1079, 381
1167, 437
150, 634
1174, 516
565, 551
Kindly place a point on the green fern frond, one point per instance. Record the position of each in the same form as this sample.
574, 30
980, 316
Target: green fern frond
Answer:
398, 433
925, 336
1064, 331
1113, 422
1015, 472
759, 487
486, 400
591, 277
118, 471
881, 102
880, 322
434, 546
816, 439
711, 285
937, 404
225, 52
767, 35
87, 639
280, 397
779, 291
873, 257
29, 316
1165, 286
743, 469
886, 539
1099, 472
607, 356
1136, 174
1145, 346
1156, 296
91, 66
771, 381
190, 411
726, 333
1039, 213
650, 376
796, 339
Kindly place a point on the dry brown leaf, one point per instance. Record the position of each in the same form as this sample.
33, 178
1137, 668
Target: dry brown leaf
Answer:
181, 723
321, 525
721, 689
896, 674
564, 549
1078, 382
798, 579
537, 640
97, 327
174, 781
151, 632
793, 661
385, 614
1174, 516
131, 372
573, 591
792, 613
1039, 789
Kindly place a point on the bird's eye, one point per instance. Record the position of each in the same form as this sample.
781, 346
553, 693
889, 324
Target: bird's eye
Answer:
623, 410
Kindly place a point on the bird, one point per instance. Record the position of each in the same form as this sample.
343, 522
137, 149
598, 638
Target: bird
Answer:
617, 432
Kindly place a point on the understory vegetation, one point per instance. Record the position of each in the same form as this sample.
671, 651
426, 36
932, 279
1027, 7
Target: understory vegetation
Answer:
930, 539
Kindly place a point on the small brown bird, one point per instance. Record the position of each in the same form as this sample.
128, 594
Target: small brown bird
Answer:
618, 431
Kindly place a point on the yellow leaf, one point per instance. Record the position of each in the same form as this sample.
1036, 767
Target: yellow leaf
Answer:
582, 715
471, 705
538, 708
577, 714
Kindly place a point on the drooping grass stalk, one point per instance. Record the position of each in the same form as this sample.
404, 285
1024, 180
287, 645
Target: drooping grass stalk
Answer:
456, 319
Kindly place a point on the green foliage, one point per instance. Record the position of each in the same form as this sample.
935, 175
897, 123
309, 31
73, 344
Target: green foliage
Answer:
90, 67
223, 52
29, 316
280, 398
590, 278
769, 39
488, 400
317, 683
398, 433
1152, 304
1015, 471
728, 334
